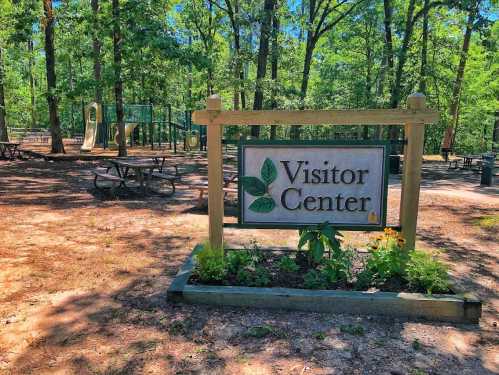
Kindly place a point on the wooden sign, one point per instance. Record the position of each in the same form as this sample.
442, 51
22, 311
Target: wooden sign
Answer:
293, 184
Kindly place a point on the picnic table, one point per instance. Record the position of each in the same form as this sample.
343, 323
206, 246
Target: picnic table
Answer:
10, 148
468, 160
143, 173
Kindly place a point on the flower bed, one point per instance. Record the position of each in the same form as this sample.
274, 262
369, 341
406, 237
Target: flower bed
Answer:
324, 264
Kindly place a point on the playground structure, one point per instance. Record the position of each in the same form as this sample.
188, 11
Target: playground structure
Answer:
144, 125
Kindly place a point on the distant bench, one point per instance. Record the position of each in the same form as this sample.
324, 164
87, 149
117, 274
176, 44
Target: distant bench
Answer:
203, 188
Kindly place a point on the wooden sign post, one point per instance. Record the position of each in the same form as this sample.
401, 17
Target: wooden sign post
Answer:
413, 118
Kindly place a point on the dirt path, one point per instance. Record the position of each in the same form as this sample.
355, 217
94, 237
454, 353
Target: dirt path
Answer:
83, 282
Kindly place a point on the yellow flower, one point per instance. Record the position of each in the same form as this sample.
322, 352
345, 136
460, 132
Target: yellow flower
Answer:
401, 241
379, 238
374, 247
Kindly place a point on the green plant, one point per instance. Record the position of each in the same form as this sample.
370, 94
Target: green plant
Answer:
365, 279
386, 257
339, 267
250, 276
416, 345
353, 329
318, 239
210, 264
288, 265
319, 336
262, 331
426, 272
314, 280
237, 260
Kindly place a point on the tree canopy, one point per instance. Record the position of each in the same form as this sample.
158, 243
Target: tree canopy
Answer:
284, 54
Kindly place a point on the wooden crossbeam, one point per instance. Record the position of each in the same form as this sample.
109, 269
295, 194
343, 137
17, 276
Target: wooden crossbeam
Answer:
311, 117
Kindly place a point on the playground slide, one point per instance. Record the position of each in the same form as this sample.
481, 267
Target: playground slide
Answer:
91, 126
128, 130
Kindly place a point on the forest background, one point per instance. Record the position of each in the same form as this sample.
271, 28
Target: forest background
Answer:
57, 56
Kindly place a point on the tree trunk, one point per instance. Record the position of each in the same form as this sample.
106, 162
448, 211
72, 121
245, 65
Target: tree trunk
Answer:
424, 49
402, 56
55, 127
495, 133
4, 136
96, 49
456, 91
118, 83
262, 60
274, 69
31, 84
387, 6
309, 49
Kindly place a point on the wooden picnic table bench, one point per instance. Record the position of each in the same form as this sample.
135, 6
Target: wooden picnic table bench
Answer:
229, 178
144, 173
8, 150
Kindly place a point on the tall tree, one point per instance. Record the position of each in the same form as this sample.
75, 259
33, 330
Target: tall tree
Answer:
424, 48
274, 67
458, 83
4, 137
232, 8
96, 49
263, 52
118, 81
52, 99
320, 21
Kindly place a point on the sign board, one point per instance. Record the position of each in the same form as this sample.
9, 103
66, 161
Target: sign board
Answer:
293, 184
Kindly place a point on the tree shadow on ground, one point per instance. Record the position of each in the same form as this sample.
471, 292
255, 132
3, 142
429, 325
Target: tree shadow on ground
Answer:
134, 329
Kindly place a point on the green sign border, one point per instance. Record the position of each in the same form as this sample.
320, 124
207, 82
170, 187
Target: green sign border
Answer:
359, 143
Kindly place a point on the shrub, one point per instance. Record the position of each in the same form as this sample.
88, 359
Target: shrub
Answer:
250, 276
425, 272
318, 239
210, 264
314, 280
237, 260
339, 267
386, 258
288, 265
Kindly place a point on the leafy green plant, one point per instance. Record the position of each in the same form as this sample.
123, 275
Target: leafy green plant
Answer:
237, 260
210, 264
253, 276
260, 188
386, 257
318, 239
313, 279
426, 272
320, 336
338, 268
288, 265
352, 329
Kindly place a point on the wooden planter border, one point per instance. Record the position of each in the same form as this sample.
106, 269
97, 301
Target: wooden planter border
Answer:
460, 308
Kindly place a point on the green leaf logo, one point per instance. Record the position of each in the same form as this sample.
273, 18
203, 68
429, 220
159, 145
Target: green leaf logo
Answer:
254, 186
268, 171
262, 205
258, 188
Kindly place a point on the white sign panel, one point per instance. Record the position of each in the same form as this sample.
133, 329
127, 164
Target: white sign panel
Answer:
284, 184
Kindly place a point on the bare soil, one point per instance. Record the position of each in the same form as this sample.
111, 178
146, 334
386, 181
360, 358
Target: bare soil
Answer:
83, 280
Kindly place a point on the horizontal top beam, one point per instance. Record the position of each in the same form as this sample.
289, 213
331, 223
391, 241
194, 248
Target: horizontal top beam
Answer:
312, 117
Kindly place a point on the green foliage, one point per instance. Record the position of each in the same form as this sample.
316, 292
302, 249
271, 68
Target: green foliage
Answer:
352, 329
264, 330
318, 238
425, 272
313, 279
287, 265
386, 258
237, 260
488, 222
320, 336
339, 267
258, 276
210, 264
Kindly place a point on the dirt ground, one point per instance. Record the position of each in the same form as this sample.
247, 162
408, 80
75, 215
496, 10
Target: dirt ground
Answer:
83, 281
